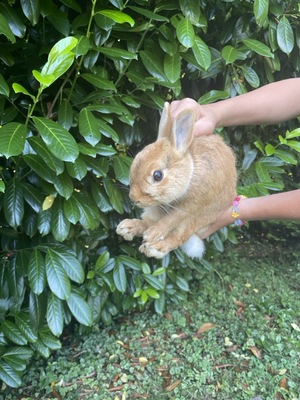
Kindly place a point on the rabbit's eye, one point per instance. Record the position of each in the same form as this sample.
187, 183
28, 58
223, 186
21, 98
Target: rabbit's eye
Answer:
158, 175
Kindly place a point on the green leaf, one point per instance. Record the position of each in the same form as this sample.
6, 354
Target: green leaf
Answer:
201, 53
12, 332
230, 54
294, 133
59, 141
117, 54
89, 127
20, 89
12, 138
261, 8
5, 29
262, 172
70, 264
60, 226
36, 272
285, 35
9, 375
89, 213
14, 20
258, 47
78, 169
48, 339
31, 9
55, 314
191, 10
185, 33
57, 277
14, 203
71, 210
2, 186
42, 150
251, 76
287, 157
64, 185
99, 82
182, 284
159, 304
23, 324
154, 281
117, 16
294, 145
119, 275
149, 14
115, 196
212, 96
4, 89
23, 353
65, 115
153, 64
39, 166
80, 309
172, 67
121, 168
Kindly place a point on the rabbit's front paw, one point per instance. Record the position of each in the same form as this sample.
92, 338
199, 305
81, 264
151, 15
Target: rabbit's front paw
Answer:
129, 228
152, 234
149, 249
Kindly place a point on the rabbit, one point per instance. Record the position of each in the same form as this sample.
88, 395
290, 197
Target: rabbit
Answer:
182, 183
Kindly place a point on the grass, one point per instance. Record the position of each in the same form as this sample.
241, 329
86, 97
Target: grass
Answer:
238, 337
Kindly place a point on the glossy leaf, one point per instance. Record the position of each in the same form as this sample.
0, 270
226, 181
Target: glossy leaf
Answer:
38, 165
99, 82
89, 127
55, 318
31, 9
60, 226
230, 54
121, 167
23, 324
42, 150
65, 115
4, 89
57, 277
80, 309
185, 33
9, 375
258, 47
261, 8
149, 14
172, 67
13, 333
285, 35
14, 203
202, 53
12, 137
5, 29
71, 210
70, 264
37, 272
59, 141
78, 169
119, 275
64, 185
117, 16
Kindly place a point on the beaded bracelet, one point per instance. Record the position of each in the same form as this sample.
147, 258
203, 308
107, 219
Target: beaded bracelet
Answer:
235, 211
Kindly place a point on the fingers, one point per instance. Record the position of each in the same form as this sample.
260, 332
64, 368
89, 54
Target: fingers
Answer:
204, 121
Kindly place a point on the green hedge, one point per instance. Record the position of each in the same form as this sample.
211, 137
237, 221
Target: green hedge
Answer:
81, 86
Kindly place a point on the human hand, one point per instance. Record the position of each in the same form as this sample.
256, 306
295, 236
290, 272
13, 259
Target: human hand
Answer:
205, 120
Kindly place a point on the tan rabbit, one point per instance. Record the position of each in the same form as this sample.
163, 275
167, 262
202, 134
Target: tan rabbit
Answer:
182, 183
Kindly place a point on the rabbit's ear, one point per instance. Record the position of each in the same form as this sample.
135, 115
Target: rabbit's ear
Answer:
182, 132
165, 123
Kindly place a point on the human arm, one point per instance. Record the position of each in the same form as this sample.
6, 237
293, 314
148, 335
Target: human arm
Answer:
279, 206
269, 104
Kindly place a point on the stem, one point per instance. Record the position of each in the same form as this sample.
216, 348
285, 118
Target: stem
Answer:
88, 34
36, 99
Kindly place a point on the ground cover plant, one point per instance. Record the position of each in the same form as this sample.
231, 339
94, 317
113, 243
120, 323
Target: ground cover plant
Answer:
236, 337
80, 93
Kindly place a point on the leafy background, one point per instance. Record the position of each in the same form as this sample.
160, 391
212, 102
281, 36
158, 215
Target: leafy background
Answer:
81, 87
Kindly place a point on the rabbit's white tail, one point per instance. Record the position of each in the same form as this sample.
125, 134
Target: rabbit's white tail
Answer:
194, 247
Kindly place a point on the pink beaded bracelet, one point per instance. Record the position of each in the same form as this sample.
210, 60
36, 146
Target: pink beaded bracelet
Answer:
235, 211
